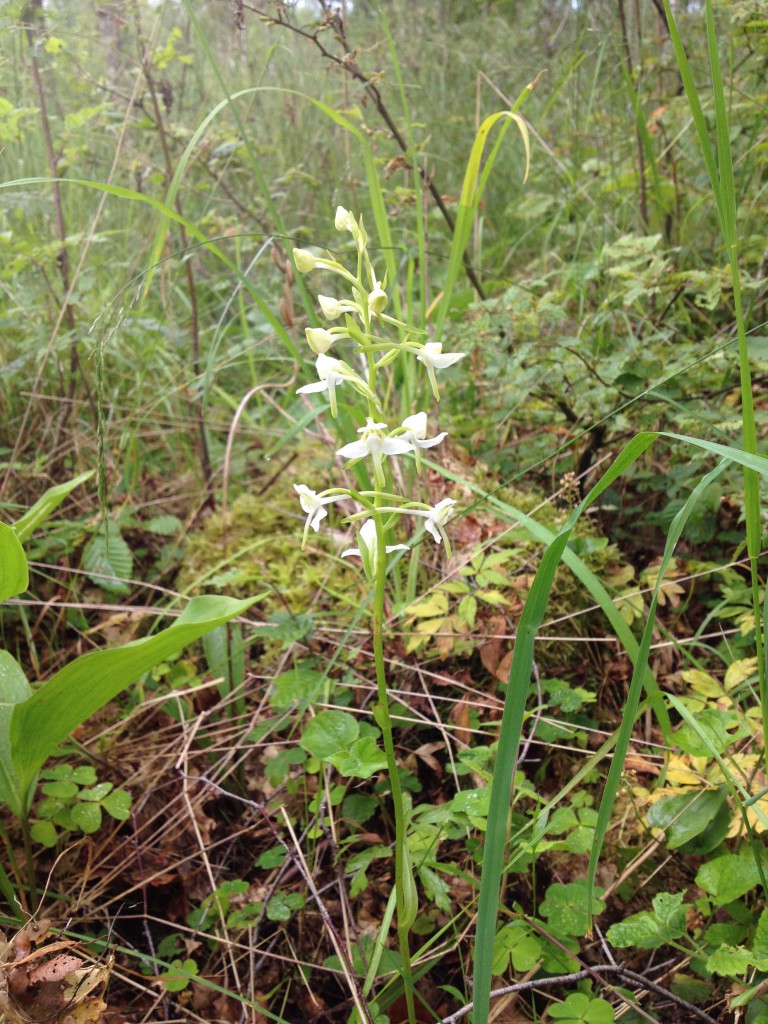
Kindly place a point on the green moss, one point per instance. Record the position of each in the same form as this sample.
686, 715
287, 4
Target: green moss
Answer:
258, 547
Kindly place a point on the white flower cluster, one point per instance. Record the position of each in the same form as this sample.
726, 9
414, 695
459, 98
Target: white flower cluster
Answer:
367, 305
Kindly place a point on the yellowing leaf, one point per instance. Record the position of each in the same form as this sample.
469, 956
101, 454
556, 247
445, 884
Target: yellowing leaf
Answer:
739, 671
435, 604
686, 771
702, 682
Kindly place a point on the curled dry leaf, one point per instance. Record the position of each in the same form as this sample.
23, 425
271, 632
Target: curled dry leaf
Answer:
36, 986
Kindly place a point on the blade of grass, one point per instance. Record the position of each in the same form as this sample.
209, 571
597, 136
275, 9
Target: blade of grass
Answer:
470, 197
517, 691
720, 170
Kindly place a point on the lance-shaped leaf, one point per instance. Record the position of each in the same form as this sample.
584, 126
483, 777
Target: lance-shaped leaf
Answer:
44, 720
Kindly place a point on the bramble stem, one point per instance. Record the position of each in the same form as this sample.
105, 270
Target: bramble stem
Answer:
405, 892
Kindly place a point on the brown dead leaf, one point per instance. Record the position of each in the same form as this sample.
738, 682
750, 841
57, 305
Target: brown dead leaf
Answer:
460, 716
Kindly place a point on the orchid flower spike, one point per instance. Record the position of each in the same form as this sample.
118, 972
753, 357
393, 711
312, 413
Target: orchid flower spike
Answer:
332, 372
367, 549
313, 503
416, 435
433, 357
374, 442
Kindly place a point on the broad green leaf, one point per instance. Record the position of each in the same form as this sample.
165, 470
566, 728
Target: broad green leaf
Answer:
117, 804
46, 504
579, 1008
108, 560
733, 961
14, 689
516, 943
328, 733
728, 877
362, 760
44, 832
687, 816
300, 686
648, 930
45, 719
164, 526
14, 577
711, 732
87, 817
566, 906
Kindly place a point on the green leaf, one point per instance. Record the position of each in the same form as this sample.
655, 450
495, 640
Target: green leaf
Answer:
710, 732
300, 686
733, 961
283, 905
164, 526
14, 577
46, 504
687, 816
362, 760
728, 877
178, 975
579, 1008
117, 804
328, 733
14, 689
61, 789
87, 817
648, 930
40, 723
565, 906
44, 832
108, 560
518, 944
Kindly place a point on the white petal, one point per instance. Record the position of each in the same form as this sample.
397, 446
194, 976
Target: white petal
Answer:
351, 552
430, 442
317, 518
368, 534
395, 446
354, 450
308, 389
429, 524
396, 547
417, 423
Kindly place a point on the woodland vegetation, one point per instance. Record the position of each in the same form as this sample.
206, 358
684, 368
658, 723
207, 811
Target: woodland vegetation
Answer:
322, 700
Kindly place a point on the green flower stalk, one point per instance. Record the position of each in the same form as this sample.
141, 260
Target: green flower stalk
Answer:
380, 507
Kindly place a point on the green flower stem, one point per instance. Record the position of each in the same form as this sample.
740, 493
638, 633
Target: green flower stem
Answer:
405, 893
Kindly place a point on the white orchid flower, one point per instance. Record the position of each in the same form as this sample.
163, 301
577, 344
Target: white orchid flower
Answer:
367, 549
433, 357
333, 308
374, 442
434, 518
416, 435
313, 503
332, 372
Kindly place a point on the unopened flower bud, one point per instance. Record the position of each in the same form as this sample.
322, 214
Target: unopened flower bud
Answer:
344, 220
377, 301
304, 260
319, 339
